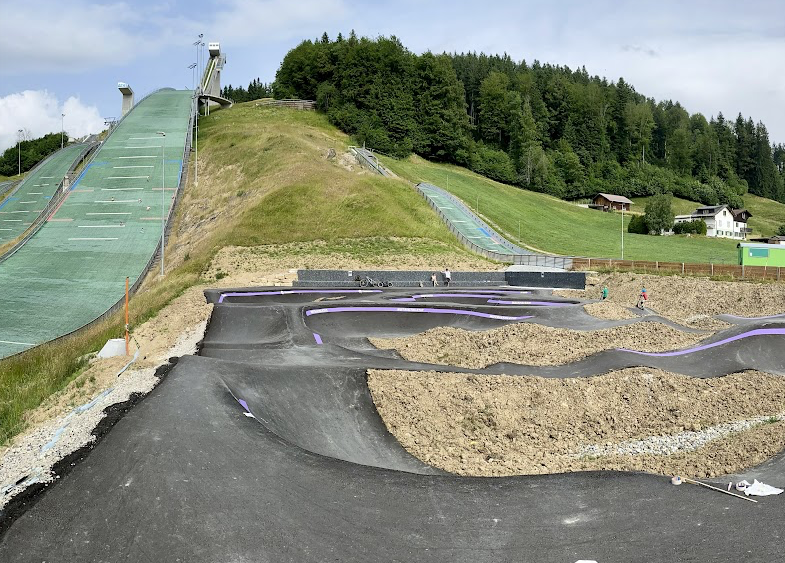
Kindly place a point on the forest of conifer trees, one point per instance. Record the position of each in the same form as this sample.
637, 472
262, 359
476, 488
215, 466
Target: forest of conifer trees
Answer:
542, 127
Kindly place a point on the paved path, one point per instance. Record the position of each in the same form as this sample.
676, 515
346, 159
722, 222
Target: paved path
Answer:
267, 447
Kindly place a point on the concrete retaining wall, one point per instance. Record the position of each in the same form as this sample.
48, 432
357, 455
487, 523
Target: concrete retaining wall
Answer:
413, 278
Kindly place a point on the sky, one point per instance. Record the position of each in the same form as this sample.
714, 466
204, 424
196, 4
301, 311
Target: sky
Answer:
66, 56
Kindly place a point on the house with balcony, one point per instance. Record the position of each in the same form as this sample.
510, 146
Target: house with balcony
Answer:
610, 202
721, 221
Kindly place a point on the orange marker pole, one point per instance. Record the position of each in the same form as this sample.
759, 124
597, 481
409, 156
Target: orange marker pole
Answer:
127, 351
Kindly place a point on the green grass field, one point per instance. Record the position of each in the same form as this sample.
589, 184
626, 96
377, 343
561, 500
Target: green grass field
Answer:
767, 215
552, 225
678, 205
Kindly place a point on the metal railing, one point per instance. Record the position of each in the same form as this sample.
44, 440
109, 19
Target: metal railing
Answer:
295, 104
6, 187
367, 159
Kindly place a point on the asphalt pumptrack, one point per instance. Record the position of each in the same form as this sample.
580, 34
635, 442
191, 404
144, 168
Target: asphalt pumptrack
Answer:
266, 446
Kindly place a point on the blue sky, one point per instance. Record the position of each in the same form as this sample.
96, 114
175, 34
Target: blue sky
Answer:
66, 56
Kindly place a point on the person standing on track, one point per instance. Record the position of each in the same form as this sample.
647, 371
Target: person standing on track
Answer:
642, 298
447, 277
434, 283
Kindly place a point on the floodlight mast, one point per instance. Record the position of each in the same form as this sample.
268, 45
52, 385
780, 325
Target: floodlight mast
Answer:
20, 135
163, 194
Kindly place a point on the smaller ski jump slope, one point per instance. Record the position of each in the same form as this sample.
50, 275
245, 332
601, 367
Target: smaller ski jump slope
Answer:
21, 208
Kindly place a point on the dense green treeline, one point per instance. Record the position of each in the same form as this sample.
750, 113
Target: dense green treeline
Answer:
255, 91
542, 127
32, 152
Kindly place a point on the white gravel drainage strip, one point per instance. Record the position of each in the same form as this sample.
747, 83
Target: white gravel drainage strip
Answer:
682, 442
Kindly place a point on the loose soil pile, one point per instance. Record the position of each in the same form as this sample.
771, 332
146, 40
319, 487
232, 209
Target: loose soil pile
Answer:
532, 344
503, 425
688, 301
609, 311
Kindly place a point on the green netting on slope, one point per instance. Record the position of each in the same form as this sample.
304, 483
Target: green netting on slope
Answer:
74, 269
21, 209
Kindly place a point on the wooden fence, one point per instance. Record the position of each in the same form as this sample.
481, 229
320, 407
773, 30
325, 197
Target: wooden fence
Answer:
294, 104
737, 272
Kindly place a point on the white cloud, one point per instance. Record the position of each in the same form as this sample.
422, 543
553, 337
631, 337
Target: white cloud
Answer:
57, 36
39, 112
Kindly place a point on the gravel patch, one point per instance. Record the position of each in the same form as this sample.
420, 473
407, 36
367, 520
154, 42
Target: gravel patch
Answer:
532, 344
682, 442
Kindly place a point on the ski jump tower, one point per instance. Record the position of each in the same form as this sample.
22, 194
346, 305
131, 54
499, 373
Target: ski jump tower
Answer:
128, 96
210, 86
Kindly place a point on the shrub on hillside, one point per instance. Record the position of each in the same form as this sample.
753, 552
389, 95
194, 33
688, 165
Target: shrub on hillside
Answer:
494, 164
638, 225
659, 215
697, 227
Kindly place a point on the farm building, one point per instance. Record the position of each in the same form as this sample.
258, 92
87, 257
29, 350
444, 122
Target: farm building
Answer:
610, 202
769, 240
757, 254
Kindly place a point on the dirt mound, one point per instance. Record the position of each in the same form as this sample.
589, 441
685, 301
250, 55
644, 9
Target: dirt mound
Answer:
503, 425
609, 311
690, 301
532, 344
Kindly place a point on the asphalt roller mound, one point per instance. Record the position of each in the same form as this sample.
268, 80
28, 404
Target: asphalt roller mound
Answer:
267, 447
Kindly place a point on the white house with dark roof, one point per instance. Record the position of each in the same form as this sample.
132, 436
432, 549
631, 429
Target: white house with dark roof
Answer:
721, 221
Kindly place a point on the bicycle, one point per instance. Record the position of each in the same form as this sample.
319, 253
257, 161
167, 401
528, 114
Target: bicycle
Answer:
367, 281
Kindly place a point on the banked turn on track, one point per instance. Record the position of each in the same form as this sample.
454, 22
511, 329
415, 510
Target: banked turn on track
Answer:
267, 447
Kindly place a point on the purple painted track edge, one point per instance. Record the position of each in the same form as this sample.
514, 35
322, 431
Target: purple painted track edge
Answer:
756, 332
310, 312
293, 292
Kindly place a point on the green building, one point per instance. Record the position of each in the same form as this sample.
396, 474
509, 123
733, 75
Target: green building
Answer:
759, 254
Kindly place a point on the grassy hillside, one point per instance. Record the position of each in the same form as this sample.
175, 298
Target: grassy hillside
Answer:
680, 206
767, 215
265, 179
557, 226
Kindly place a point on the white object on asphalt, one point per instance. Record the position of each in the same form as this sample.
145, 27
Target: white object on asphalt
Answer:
757, 488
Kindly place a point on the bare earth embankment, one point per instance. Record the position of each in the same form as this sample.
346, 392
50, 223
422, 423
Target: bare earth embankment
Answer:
504, 425
689, 301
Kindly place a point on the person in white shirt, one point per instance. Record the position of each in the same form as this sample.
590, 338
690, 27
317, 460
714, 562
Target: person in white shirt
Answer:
447, 277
